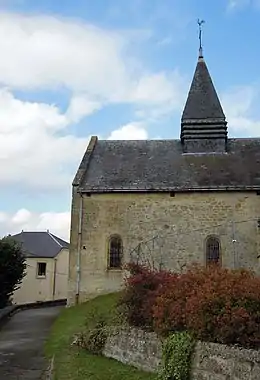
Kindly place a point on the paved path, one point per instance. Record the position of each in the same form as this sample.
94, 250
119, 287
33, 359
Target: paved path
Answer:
22, 341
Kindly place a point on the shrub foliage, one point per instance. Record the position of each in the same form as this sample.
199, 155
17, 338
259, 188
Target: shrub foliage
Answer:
176, 358
213, 303
12, 269
94, 338
141, 286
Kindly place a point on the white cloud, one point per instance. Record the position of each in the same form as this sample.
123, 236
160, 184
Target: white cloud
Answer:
2, 217
80, 106
56, 222
249, 127
238, 105
241, 4
22, 217
159, 94
131, 131
95, 66
14, 114
32, 151
158, 88
47, 52
43, 51
238, 100
234, 4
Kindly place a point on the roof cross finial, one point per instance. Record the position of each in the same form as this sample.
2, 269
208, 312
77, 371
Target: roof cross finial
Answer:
200, 23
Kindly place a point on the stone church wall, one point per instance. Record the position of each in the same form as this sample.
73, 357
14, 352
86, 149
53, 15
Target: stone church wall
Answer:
172, 232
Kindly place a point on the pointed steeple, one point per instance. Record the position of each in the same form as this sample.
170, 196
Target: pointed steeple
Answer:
203, 123
202, 102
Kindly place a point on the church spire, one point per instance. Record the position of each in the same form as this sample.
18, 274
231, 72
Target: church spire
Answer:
203, 123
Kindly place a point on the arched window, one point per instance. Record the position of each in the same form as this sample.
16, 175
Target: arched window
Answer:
212, 250
115, 252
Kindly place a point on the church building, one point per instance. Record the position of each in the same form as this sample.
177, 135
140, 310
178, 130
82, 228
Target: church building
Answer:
168, 202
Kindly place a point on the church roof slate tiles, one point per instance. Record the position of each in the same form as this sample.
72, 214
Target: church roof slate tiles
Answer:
160, 165
190, 164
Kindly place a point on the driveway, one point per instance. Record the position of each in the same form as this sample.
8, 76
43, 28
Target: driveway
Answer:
22, 343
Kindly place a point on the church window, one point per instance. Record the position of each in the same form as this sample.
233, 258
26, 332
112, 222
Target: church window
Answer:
212, 250
115, 252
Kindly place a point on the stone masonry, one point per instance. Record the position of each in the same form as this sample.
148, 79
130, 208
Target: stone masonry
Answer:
168, 196
134, 347
182, 222
210, 361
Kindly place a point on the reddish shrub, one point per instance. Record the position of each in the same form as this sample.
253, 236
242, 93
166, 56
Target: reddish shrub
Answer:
216, 304
139, 294
213, 303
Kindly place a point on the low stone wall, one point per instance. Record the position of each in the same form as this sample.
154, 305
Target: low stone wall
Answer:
220, 362
134, 347
210, 361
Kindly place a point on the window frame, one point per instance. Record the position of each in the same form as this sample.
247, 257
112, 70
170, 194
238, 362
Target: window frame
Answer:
209, 261
110, 239
38, 267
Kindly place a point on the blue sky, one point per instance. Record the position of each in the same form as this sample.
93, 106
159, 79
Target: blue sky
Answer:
121, 70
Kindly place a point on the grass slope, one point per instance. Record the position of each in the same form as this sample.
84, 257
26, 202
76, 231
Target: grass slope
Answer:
72, 363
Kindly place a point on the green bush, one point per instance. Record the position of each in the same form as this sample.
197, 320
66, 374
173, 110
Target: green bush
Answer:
176, 361
94, 338
12, 269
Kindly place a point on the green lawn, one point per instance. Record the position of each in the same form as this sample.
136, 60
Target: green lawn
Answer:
72, 363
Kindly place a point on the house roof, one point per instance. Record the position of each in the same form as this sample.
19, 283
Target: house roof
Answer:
40, 244
161, 165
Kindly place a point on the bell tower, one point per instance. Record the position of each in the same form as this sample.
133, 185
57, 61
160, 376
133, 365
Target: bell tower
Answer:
203, 123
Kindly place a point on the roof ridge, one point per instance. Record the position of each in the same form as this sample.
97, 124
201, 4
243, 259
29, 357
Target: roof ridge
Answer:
56, 241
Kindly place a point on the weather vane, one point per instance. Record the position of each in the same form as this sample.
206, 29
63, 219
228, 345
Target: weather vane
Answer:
200, 23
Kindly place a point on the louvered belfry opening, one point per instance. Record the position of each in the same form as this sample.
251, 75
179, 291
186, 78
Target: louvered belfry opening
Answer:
203, 123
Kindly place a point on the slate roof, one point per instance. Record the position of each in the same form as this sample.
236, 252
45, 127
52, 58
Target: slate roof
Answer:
202, 101
40, 244
160, 165
174, 165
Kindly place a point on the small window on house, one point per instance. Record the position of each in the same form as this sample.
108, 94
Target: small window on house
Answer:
41, 269
212, 250
115, 252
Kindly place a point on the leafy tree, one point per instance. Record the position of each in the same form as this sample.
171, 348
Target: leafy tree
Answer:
12, 268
